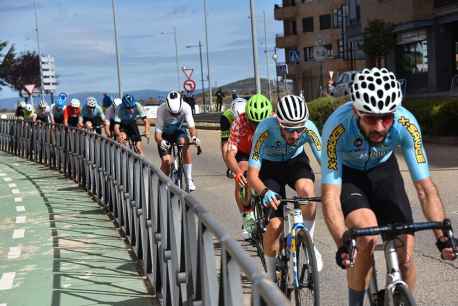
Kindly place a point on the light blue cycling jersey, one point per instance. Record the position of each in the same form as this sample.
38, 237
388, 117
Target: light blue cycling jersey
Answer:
269, 144
88, 113
126, 116
344, 144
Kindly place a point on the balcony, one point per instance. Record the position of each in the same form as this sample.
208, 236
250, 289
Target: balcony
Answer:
285, 12
287, 41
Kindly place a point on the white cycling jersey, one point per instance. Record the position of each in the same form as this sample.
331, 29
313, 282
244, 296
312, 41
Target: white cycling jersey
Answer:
168, 121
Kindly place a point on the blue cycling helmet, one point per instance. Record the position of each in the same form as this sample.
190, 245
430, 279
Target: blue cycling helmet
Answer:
62, 100
107, 101
128, 101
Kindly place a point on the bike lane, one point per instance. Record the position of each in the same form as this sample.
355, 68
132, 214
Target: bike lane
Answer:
57, 246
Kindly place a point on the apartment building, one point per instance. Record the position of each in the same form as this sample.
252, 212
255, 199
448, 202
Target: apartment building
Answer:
426, 52
313, 42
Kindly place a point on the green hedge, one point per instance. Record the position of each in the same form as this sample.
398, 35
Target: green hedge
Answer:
436, 116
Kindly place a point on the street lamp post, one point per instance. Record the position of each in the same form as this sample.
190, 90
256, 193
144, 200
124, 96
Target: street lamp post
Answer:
39, 52
254, 46
201, 69
275, 58
117, 49
174, 33
266, 52
209, 83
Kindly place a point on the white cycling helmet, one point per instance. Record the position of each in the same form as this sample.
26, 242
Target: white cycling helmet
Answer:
174, 102
21, 104
117, 102
91, 102
376, 91
75, 103
238, 106
29, 108
292, 111
43, 104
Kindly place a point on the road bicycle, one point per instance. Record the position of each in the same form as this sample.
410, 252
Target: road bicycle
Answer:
296, 261
395, 292
176, 172
297, 271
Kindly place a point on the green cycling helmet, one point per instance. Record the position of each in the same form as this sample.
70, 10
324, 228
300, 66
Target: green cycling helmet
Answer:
258, 108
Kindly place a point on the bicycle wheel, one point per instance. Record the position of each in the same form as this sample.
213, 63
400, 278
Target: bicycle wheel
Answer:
308, 291
258, 231
402, 296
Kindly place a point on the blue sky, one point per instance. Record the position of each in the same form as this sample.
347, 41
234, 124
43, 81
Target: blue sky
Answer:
79, 34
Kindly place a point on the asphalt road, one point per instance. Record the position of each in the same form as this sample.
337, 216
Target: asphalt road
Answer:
437, 281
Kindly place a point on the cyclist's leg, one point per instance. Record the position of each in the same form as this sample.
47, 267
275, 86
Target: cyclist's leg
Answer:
392, 206
269, 174
182, 137
88, 124
166, 155
133, 134
242, 204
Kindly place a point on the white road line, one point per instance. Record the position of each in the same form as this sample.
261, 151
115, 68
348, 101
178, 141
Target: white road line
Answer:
14, 252
20, 208
6, 282
17, 200
15, 191
3, 304
19, 233
2, 174
21, 219
12, 185
7, 179
16, 164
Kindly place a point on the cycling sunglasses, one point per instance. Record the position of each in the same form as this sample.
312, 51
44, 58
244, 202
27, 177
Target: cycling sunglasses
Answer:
387, 119
291, 130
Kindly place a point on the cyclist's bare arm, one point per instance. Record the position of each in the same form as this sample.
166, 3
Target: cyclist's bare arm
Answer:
107, 128
158, 137
193, 131
430, 202
232, 164
116, 130
147, 127
332, 211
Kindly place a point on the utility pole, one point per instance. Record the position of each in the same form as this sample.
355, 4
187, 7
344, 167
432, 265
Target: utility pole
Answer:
38, 50
254, 46
209, 83
266, 52
117, 49
201, 70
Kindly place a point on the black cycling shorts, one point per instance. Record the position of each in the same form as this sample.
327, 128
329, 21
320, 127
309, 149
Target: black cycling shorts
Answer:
276, 175
380, 189
225, 128
73, 121
131, 130
240, 156
172, 138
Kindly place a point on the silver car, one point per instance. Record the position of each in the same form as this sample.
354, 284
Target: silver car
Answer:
341, 86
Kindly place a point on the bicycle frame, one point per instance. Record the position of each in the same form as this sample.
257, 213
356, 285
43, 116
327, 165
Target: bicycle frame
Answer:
176, 168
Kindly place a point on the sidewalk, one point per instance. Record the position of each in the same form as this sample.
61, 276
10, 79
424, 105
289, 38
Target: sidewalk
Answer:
57, 247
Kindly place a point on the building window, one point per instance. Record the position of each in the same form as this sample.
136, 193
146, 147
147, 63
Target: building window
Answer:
413, 57
307, 24
308, 54
325, 22
329, 52
293, 56
290, 27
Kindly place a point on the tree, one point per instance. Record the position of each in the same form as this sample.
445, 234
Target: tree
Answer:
6, 61
24, 70
378, 41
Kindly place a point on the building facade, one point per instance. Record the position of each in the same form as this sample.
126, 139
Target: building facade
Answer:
426, 52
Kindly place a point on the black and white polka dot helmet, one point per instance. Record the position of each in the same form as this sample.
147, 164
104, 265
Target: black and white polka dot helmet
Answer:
376, 91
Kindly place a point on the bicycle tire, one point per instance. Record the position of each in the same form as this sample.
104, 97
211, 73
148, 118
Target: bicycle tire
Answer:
402, 296
308, 292
258, 231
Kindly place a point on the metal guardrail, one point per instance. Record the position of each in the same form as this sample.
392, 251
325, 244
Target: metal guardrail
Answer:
175, 239
454, 83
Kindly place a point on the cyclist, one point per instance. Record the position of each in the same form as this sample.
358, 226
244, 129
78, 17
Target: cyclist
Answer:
92, 115
361, 182
110, 115
106, 102
44, 113
29, 112
239, 146
175, 124
225, 122
72, 114
58, 109
125, 119
278, 159
20, 109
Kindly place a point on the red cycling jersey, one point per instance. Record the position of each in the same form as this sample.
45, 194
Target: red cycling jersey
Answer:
241, 135
71, 112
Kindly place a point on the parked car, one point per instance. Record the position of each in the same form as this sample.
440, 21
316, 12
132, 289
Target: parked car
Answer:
341, 87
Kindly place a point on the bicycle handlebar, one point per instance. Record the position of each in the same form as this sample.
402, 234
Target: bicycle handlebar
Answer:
300, 200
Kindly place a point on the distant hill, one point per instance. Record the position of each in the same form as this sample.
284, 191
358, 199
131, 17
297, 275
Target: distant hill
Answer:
10, 103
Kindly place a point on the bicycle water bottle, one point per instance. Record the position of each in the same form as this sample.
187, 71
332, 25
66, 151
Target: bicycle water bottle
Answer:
298, 216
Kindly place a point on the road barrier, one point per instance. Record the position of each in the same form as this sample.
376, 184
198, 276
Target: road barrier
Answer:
187, 257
